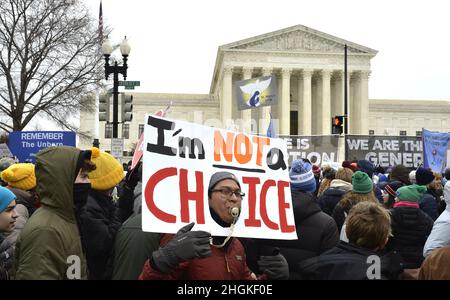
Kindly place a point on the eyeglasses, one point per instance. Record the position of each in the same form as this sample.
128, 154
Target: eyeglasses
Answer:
229, 192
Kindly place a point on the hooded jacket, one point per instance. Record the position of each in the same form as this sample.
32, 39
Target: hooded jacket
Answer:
440, 234
328, 200
49, 246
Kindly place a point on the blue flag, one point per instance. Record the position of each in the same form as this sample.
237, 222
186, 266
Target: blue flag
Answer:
271, 130
435, 145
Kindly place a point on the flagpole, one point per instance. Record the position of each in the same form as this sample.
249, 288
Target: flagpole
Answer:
345, 92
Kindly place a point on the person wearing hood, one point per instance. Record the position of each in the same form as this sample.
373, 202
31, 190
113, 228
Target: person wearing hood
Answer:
316, 231
368, 229
188, 255
440, 234
410, 225
101, 218
341, 184
21, 180
429, 201
8, 219
51, 237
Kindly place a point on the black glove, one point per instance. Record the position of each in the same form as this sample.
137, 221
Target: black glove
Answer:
132, 178
185, 245
276, 267
6, 255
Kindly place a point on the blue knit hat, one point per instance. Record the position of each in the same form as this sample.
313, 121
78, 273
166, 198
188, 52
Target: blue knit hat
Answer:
6, 197
302, 177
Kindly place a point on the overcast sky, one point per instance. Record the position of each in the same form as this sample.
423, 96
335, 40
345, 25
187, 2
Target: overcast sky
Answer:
174, 42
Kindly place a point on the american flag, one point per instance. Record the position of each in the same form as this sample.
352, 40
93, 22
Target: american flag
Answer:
100, 23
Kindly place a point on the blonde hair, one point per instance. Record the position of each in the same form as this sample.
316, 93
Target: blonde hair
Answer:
324, 185
344, 174
351, 198
368, 225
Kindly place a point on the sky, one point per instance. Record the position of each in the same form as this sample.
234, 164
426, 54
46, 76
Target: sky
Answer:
174, 42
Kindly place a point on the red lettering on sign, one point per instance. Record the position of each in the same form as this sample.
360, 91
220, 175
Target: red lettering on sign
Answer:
263, 206
149, 190
186, 196
251, 221
282, 207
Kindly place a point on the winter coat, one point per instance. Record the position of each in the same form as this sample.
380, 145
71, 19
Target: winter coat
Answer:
429, 205
435, 266
99, 225
316, 231
410, 229
51, 235
132, 248
6, 258
349, 262
227, 263
440, 234
333, 195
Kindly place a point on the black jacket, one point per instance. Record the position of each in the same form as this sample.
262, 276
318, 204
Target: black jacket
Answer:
316, 231
410, 230
429, 204
349, 262
100, 219
328, 200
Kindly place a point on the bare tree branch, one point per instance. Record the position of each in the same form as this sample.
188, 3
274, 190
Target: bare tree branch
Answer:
49, 61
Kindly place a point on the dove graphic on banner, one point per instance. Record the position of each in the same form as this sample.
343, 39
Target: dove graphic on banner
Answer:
255, 90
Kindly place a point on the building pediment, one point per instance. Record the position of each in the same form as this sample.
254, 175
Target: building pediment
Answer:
298, 38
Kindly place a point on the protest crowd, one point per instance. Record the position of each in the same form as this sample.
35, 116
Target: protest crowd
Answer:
79, 207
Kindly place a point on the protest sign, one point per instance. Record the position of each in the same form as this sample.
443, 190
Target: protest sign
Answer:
179, 160
385, 150
435, 146
26, 144
318, 149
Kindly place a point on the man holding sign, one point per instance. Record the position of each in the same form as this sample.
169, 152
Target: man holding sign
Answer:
196, 255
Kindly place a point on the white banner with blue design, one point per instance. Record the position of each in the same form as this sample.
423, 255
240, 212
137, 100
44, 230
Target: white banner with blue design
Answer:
435, 147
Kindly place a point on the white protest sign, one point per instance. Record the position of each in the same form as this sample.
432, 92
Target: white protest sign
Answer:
179, 160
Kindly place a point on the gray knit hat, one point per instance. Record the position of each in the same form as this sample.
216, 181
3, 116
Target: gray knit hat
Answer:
219, 176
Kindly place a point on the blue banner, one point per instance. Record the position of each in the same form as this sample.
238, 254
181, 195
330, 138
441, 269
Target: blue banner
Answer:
435, 145
26, 144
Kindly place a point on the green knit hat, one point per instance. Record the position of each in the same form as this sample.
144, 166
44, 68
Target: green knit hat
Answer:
411, 193
361, 182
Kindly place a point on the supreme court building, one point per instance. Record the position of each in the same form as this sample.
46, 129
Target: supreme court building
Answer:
309, 67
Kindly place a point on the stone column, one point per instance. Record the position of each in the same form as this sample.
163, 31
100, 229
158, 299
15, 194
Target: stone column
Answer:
355, 103
264, 112
338, 105
246, 115
363, 81
326, 102
226, 101
285, 113
304, 106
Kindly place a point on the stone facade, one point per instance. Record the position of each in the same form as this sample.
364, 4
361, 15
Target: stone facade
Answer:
308, 65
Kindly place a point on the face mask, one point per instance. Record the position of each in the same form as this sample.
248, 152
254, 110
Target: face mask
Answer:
80, 194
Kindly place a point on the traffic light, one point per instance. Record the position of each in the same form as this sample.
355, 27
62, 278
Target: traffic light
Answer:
127, 108
338, 125
103, 107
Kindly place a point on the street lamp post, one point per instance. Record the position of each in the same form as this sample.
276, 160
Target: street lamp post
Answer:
116, 70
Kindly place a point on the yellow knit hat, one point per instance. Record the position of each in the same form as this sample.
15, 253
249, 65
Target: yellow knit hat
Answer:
108, 172
20, 176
